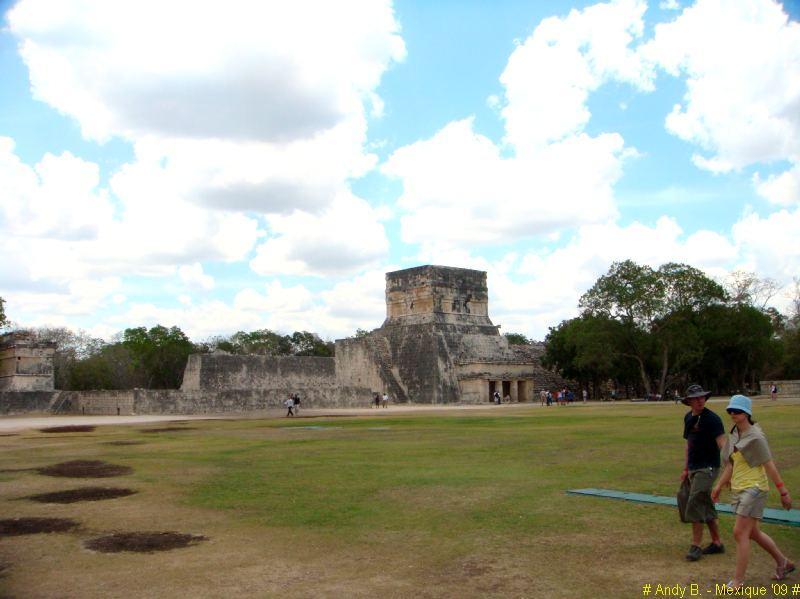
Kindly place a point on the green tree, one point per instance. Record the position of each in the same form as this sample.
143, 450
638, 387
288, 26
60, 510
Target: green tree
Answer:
262, 342
517, 339
71, 348
309, 344
158, 355
738, 342
585, 349
111, 367
656, 309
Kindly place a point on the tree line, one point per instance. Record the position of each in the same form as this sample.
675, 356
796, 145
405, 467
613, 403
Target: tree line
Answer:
651, 331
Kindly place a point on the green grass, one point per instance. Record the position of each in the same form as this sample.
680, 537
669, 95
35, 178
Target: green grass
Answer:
436, 492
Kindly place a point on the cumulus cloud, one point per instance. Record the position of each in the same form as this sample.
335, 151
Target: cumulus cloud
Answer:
194, 277
188, 69
549, 76
253, 108
740, 60
782, 189
59, 198
348, 236
459, 177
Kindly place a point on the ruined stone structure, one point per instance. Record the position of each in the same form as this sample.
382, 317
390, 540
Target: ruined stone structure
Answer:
25, 363
437, 345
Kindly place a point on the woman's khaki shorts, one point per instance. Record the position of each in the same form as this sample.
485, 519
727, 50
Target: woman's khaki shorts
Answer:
749, 502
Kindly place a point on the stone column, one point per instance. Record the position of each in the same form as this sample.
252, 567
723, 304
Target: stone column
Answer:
513, 392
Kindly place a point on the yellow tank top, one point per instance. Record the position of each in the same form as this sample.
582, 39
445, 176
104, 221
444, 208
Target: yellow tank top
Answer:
746, 476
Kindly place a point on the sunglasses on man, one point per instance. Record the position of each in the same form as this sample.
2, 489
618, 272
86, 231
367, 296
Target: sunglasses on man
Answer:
735, 411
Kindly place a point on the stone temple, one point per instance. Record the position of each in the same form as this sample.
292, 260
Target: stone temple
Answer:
437, 345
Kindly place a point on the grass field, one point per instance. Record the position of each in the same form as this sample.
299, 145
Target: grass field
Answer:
447, 504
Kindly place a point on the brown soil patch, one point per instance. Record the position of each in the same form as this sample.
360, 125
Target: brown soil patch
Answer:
124, 443
83, 494
72, 428
85, 469
27, 526
167, 429
143, 542
16, 469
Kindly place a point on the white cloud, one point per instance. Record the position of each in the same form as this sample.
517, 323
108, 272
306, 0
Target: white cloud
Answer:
348, 236
59, 198
194, 277
81, 297
253, 71
769, 244
782, 189
550, 75
742, 63
458, 177
258, 107
359, 302
669, 5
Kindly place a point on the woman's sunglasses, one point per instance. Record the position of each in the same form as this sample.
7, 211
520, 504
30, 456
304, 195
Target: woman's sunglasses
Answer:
735, 411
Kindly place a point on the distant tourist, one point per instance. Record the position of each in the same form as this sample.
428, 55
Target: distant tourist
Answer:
704, 436
296, 400
549, 398
542, 396
496, 397
507, 398
773, 391
376, 399
585, 395
289, 403
748, 465
385, 400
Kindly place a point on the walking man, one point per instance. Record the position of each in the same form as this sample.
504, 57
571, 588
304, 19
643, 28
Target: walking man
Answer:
705, 437
289, 403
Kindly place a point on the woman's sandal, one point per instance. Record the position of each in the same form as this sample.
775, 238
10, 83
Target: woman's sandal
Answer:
781, 572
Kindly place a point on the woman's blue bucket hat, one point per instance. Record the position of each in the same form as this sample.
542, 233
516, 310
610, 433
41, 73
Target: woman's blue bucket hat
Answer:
741, 402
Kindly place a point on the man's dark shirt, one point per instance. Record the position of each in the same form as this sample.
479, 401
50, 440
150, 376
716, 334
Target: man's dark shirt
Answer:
701, 434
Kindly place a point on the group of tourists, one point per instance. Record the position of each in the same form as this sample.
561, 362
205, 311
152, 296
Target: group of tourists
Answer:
563, 397
378, 400
747, 468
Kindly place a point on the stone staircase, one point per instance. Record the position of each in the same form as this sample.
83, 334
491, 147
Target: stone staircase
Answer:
380, 351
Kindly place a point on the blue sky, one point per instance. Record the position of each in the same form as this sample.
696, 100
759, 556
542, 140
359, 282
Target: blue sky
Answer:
264, 166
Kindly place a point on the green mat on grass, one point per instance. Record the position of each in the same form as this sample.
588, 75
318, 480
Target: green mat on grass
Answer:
790, 517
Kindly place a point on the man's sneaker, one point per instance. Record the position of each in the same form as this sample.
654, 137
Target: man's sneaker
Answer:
713, 548
695, 553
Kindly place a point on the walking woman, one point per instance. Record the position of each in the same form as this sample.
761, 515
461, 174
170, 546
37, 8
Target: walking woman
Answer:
748, 463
